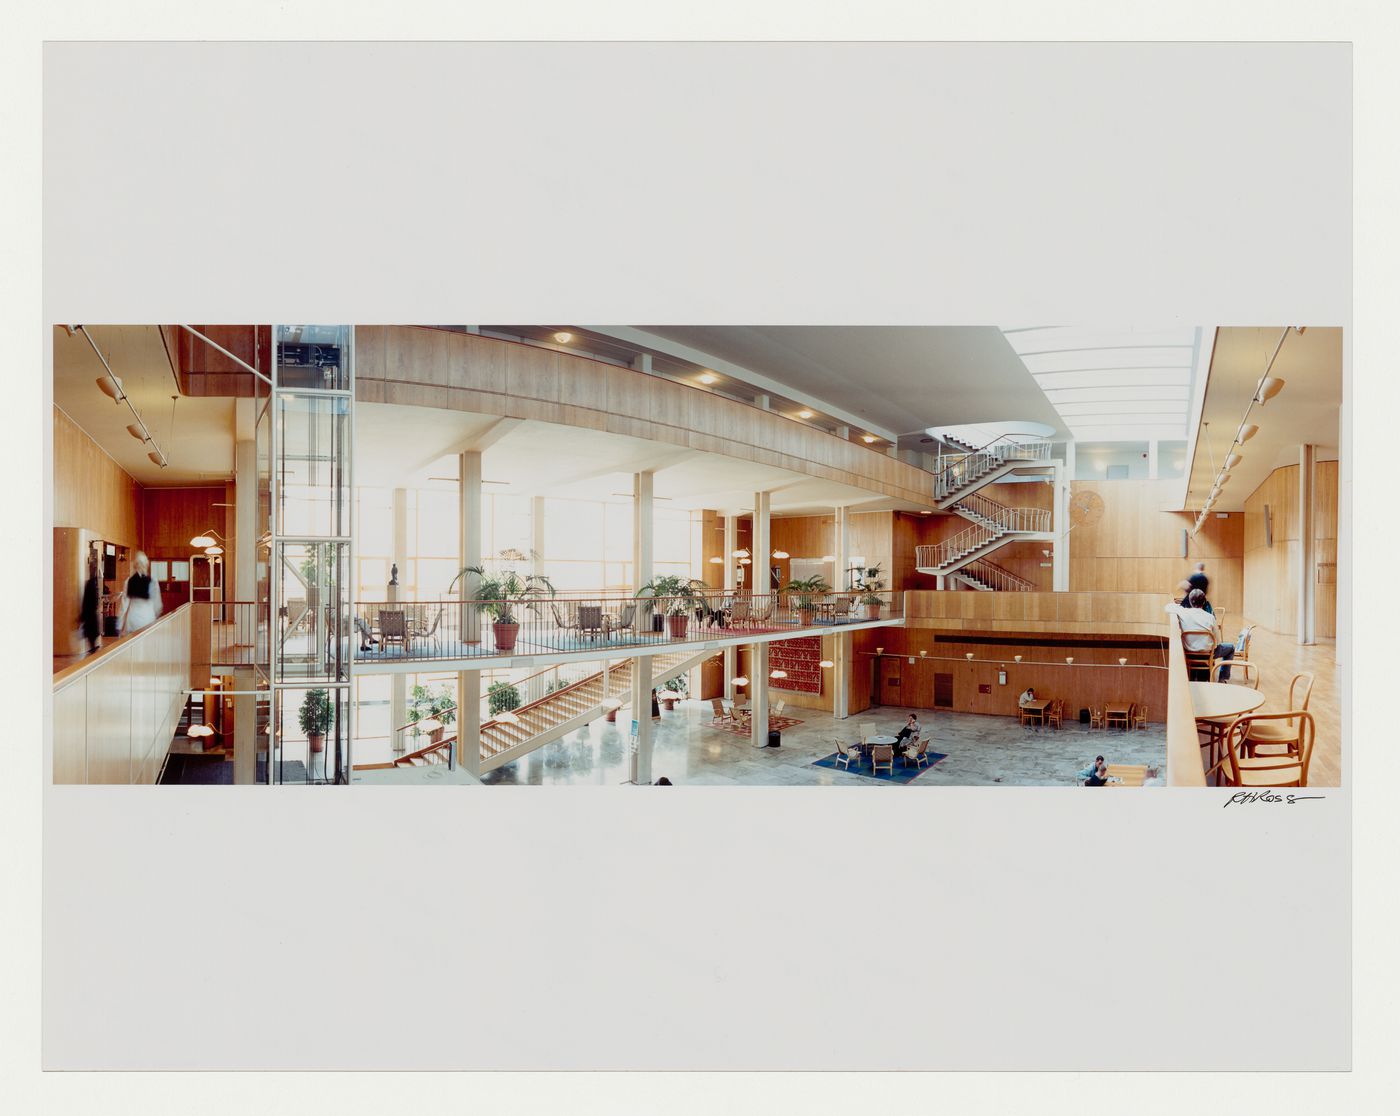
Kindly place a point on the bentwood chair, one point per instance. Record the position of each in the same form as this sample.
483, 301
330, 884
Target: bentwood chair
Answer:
867, 730
1139, 716
918, 757
777, 708
882, 755
1240, 770
739, 612
1198, 662
1242, 672
845, 753
1096, 717
393, 628
1055, 715
1282, 738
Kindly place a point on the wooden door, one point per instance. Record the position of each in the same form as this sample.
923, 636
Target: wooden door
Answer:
888, 678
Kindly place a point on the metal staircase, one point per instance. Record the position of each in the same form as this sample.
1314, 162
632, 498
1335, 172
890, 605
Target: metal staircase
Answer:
989, 577
961, 474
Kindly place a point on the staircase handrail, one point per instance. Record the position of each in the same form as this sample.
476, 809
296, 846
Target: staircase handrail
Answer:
945, 551
1007, 518
1035, 448
998, 578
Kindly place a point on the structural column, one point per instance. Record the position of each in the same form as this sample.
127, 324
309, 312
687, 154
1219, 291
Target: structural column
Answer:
762, 549
641, 716
840, 697
642, 484
469, 720
1307, 547
245, 588
537, 536
758, 652
1059, 557
469, 542
758, 689
398, 683
731, 585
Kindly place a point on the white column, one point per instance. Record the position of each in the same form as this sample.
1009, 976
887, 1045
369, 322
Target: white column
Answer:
245, 588
641, 528
642, 362
398, 683
763, 402
1059, 572
758, 689
469, 720
731, 544
641, 713
841, 691
762, 548
843, 432
469, 540
1152, 459
842, 548
537, 536
1307, 550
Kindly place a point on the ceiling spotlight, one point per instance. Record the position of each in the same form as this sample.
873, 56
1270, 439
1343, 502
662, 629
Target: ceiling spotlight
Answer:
563, 338
1268, 388
781, 554
202, 540
708, 378
826, 664
804, 414
867, 438
137, 433
1247, 431
1233, 460
156, 459
112, 388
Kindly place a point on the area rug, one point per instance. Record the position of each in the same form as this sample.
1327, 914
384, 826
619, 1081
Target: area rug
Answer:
741, 728
901, 774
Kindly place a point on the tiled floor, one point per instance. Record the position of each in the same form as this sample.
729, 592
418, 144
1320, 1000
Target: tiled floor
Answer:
981, 750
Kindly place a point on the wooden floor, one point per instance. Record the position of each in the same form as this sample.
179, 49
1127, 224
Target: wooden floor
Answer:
1280, 657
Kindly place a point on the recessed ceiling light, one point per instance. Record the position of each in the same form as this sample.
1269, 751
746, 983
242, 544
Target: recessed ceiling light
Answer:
804, 414
563, 338
708, 378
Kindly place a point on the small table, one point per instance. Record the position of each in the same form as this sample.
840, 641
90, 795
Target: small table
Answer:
1118, 711
1037, 709
1214, 701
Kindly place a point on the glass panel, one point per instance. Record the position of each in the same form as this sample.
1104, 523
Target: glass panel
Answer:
311, 736
180, 571
313, 356
313, 467
313, 612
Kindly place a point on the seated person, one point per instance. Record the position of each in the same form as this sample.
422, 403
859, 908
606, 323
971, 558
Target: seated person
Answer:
1099, 778
1026, 698
908, 734
366, 636
1088, 771
1199, 630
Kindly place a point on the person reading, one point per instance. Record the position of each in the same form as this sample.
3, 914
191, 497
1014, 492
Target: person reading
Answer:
907, 734
1199, 629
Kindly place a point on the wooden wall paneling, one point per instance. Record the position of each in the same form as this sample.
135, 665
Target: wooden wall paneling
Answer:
91, 490
173, 516
1326, 511
70, 710
1270, 572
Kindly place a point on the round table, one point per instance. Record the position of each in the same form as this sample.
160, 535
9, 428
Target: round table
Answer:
1214, 701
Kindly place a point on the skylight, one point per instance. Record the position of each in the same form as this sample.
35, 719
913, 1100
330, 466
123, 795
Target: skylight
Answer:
1116, 385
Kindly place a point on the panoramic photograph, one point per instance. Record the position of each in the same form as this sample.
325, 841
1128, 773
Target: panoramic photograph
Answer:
1052, 556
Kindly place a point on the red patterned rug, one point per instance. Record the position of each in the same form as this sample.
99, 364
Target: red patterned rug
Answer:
741, 728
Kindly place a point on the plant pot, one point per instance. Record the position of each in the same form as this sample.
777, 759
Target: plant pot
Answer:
807, 616
676, 624
669, 703
505, 632
435, 737
872, 612
317, 740
612, 716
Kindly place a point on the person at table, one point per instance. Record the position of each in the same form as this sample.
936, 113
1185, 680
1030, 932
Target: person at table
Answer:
1026, 698
1199, 629
1088, 771
1099, 778
905, 735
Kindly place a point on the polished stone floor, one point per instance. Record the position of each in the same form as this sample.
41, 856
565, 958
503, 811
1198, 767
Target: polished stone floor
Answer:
981, 751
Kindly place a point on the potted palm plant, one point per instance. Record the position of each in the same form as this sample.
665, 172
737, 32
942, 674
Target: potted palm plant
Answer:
870, 593
681, 596
439, 706
804, 596
315, 717
673, 690
500, 593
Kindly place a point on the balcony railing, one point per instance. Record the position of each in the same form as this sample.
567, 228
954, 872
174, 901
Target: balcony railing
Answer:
454, 629
228, 633
957, 470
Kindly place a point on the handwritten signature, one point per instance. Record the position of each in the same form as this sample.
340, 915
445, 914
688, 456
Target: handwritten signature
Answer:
1246, 798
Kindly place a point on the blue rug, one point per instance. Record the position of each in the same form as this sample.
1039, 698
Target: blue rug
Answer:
901, 774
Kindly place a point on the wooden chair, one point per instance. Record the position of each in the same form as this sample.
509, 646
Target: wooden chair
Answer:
1140, 717
776, 710
845, 753
590, 621
1056, 713
867, 730
739, 612
1198, 663
882, 755
1096, 716
420, 630
722, 712
841, 609
1240, 770
918, 758
1282, 738
393, 628
1249, 673
1026, 717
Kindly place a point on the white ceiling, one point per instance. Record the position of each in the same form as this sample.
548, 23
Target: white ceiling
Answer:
201, 448
897, 379
1307, 410
398, 446
1116, 385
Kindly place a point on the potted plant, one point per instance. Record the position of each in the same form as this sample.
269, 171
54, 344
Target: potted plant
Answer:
681, 596
502, 697
674, 690
870, 593
428, 705
315, 716
499, 593
804, 594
